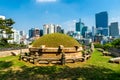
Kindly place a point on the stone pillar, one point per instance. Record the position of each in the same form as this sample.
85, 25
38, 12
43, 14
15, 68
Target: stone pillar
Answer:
61, 48
76, 47
63, 58
92, 47
42, 47
62, 54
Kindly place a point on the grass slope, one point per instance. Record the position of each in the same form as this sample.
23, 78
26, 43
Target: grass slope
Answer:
54, 40
96, 68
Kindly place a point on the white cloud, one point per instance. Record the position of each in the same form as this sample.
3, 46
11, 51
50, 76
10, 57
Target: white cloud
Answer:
41, 1
2, 17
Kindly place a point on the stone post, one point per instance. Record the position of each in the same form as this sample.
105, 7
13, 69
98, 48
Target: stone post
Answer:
63, 58
20, 57
62, 54
92, 47
42, 47
61, 48
76, 47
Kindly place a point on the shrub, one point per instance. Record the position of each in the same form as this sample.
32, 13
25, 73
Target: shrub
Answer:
98, 45
116, 43
107, 46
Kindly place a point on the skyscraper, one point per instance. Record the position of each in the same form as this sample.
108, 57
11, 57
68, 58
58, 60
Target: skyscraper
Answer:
31, 32
41, 32
51, 28
84, 30
34, 32
113, 29
22, 33
93, 31
45, 29
58, 29
101, 20
79, 26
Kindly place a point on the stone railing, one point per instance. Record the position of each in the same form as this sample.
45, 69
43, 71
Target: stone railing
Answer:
12, 48
60, 54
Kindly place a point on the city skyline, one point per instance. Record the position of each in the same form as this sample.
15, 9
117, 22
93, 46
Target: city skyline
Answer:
34, 13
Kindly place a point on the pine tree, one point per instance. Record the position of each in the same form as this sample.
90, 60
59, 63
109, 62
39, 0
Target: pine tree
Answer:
6, 29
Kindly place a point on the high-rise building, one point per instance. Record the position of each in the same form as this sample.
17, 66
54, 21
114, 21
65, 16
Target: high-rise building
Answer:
22, 33
58, 29
45, 29
101, 20
79, 26
51, 28
41, 32
16, 37
93, 31
113, 29
84, 30
31, 32
34, 32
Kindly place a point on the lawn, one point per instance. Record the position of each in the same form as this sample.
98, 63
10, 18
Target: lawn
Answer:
96, 68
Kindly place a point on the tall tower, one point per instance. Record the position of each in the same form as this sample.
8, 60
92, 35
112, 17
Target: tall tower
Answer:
113, 29
31, 32
79, 26
45, 29
84, 31
34, 32
58, 29
51, 28
101, 20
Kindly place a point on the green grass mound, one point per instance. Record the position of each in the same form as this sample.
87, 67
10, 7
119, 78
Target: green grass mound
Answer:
54, 40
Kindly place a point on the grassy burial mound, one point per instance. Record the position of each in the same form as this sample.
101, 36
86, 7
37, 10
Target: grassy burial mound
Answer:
54, 40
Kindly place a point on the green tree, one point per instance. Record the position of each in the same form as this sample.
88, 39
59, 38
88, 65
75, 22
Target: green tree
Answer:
6, 29
116, 43
107, 46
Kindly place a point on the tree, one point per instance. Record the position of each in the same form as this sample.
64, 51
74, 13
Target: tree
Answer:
6, 29
116, 43
107, 46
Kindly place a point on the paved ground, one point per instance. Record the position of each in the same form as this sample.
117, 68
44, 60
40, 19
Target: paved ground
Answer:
8, 53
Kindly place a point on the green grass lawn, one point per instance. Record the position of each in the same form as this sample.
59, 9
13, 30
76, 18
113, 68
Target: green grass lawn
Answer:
96, 68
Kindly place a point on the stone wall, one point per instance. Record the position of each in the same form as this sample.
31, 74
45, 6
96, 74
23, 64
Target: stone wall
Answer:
50, 52
8, 53
114, 52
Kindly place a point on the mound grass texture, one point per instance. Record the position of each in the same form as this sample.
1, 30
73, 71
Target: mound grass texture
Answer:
54, 40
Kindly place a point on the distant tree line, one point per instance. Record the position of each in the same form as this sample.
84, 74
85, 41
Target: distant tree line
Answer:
114, 44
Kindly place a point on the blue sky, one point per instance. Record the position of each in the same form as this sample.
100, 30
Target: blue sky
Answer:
34, 13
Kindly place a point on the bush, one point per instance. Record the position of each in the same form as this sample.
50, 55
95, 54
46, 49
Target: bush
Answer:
107, 46
98, 45
116, 43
